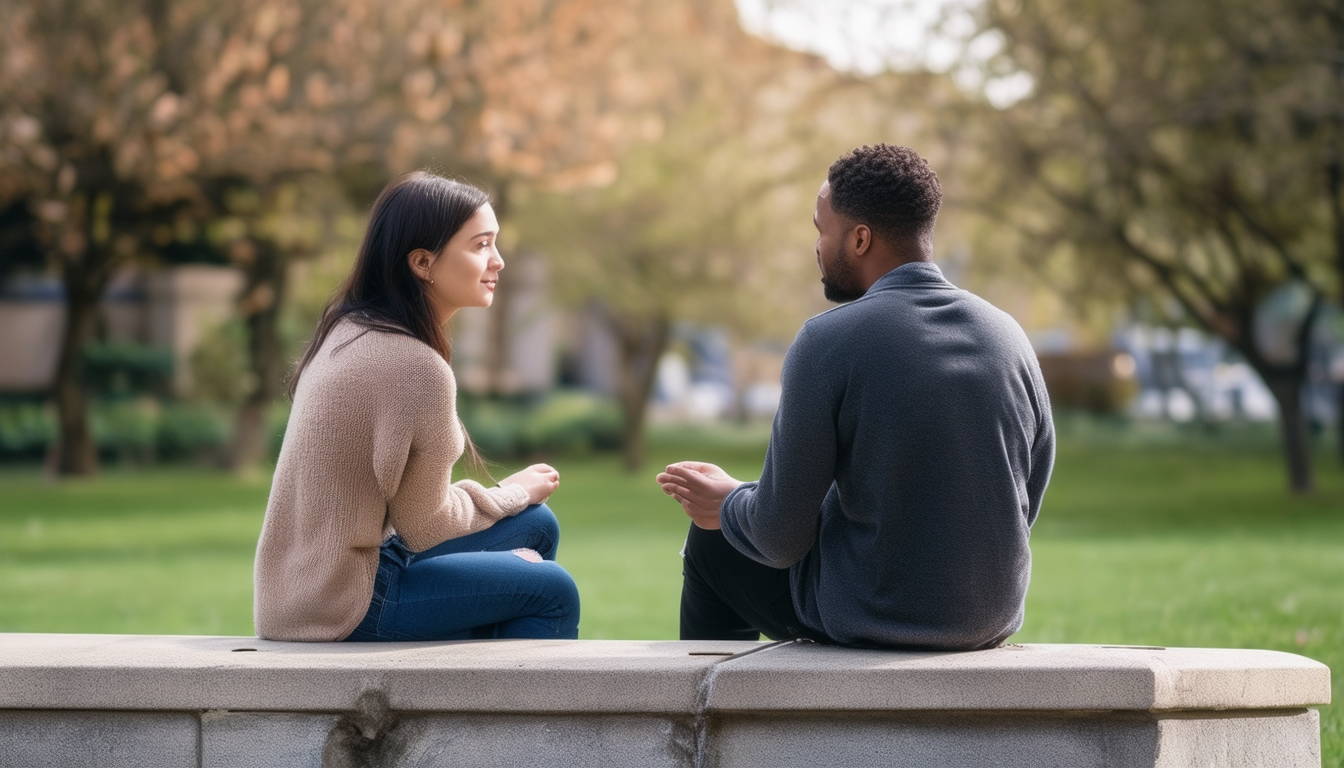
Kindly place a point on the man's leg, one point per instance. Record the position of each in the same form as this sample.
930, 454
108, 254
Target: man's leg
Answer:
726, 595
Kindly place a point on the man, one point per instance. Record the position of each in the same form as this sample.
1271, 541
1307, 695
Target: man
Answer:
907, 460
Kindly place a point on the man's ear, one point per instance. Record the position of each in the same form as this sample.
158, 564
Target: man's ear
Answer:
420, 260
861, 239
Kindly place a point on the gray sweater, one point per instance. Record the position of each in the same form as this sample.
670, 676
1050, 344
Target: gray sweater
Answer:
907, 462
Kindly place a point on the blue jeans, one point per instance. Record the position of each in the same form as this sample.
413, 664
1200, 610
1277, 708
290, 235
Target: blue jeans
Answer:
474, 587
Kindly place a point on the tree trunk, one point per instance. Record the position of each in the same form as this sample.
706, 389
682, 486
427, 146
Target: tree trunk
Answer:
75, 453
642, 343
262, 297
1287, 390
86, 265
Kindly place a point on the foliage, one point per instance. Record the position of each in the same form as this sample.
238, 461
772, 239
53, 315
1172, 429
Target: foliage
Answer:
1189, 151
190, 431
572, 423
194, 129
562, 423
710, 221
127, 369
26, 430
219, 370
127, 430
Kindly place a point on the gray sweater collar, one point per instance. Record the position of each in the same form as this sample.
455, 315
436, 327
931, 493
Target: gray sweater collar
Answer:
916, 274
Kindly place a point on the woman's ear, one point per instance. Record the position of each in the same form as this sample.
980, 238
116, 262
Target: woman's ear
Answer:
420, 261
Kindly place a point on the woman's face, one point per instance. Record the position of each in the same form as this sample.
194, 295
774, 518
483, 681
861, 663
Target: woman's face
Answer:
466, 271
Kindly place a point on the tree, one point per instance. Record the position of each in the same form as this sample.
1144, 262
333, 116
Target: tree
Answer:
1191, 151
547, 94
709, 220
86, 152
129, 124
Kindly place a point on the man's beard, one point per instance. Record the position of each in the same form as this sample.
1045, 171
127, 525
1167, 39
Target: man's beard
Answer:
841, 284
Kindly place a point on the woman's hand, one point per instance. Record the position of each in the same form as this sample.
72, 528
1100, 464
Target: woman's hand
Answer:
539, 480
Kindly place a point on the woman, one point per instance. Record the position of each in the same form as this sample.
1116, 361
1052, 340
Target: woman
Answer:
366, 537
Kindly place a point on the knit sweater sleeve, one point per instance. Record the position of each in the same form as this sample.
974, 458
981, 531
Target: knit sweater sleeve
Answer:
774, 521
417, 439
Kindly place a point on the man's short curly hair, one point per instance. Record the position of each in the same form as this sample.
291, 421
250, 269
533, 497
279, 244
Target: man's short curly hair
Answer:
889, 188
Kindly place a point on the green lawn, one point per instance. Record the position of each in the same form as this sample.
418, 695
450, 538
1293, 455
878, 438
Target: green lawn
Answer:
1148, 540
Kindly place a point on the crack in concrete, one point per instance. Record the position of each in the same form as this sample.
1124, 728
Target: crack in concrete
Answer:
365, 737
700, 719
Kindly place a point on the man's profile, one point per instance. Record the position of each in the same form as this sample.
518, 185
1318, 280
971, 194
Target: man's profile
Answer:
908, 457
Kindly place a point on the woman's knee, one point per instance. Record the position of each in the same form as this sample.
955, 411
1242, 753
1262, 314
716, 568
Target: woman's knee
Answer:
543, 525
559, 586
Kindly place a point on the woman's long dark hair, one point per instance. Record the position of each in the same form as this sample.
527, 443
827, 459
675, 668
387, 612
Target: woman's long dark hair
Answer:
416, 210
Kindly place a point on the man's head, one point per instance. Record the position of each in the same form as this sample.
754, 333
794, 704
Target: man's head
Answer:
875, 211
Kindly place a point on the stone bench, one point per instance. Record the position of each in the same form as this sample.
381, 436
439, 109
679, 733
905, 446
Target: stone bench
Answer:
106, 700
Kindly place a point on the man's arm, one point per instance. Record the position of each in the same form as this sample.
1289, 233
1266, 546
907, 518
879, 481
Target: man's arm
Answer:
1042, 452
774, 521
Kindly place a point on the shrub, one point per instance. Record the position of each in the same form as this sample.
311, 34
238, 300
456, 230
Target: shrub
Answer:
571, 422
562, 422
27, 429
220, 369
189, 431
142, 430
127, 369
494, 425
125, 429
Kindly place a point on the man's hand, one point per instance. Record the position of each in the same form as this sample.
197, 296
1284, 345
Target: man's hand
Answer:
699, 488
539, 480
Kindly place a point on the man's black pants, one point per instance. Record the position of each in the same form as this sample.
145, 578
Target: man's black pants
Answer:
726, 595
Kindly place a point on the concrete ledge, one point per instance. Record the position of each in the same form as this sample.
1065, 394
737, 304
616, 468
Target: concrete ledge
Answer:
244, 673
215, 701
1017, 677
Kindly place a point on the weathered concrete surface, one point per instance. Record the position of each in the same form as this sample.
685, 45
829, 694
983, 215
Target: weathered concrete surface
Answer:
75, 739
1020, 677
284, 740
75, 700
199, 673
959, 739
274, 739
1271, 739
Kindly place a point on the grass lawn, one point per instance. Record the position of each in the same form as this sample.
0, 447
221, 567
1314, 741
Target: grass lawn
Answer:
1145, 539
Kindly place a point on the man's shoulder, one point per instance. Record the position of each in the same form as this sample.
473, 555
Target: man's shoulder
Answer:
827, 328
842, 315
910, 315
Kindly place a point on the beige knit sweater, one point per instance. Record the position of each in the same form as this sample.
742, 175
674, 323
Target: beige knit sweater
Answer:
370, 446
